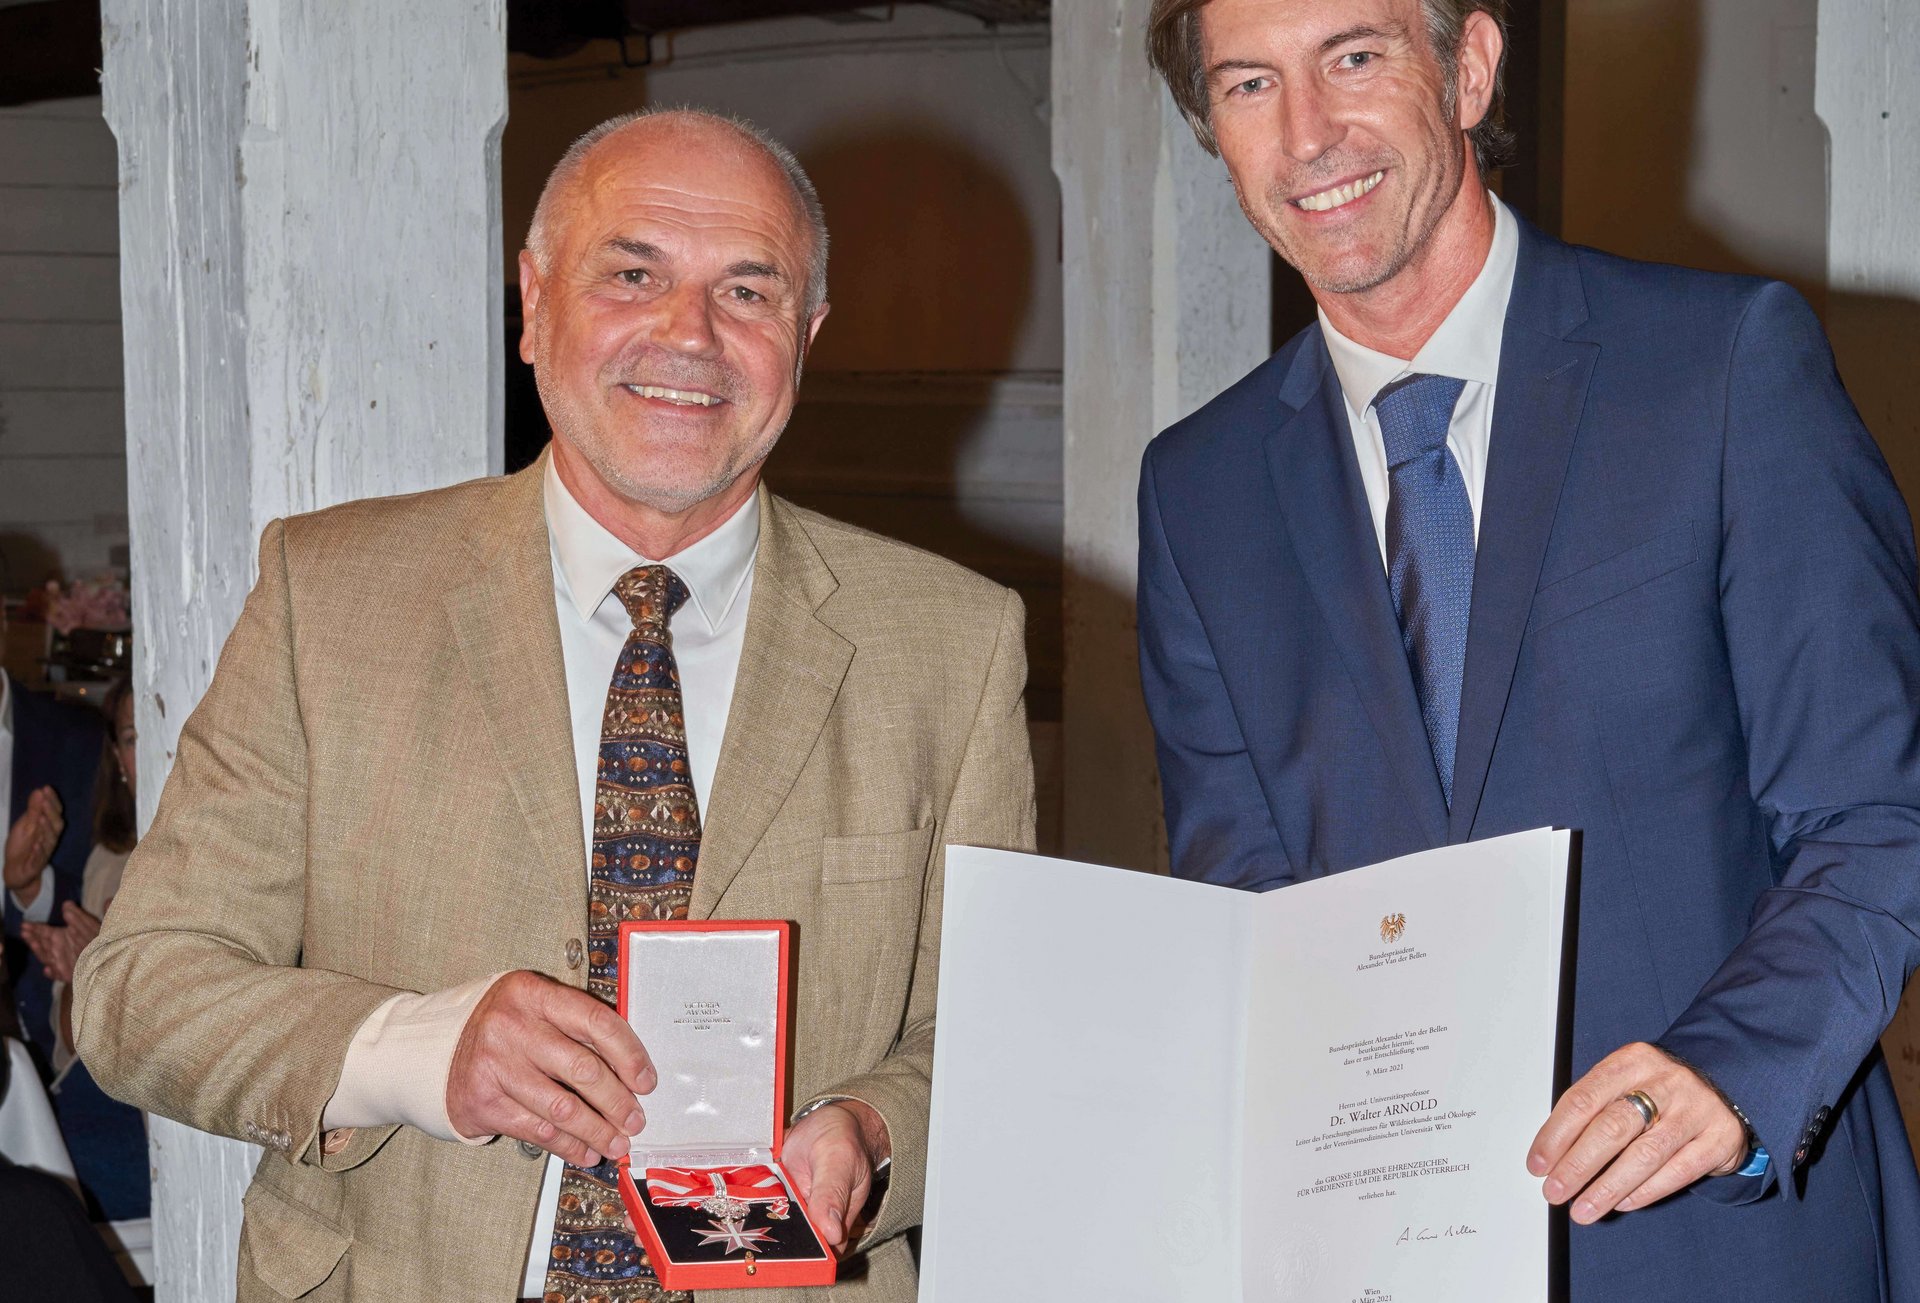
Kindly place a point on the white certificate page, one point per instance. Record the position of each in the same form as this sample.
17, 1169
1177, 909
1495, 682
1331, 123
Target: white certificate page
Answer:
1401, 1035
1156, 1091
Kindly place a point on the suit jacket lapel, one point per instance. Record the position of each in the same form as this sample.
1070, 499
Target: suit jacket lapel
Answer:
508, 636
1536, 413
791, 668
1324, 505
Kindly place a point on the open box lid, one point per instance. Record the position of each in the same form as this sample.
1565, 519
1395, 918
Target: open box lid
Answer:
709, 1001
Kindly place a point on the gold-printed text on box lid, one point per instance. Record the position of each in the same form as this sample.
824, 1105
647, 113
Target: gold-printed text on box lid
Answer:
702, 1014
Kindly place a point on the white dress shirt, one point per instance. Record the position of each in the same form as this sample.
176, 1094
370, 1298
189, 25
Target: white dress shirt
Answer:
42, 908
396, 1066
1466, 347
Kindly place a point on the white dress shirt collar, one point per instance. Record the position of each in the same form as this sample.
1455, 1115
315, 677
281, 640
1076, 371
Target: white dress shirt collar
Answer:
591, 558
1467, 344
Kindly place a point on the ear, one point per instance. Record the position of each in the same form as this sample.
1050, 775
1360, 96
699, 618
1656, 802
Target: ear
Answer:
1480, 48
813, 326
807, 335
529, 307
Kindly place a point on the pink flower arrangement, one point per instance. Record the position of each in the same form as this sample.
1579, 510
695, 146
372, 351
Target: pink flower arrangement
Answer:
89, 604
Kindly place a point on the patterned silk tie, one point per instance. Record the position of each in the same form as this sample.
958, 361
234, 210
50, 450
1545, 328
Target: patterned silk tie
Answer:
646, 840
1429, 551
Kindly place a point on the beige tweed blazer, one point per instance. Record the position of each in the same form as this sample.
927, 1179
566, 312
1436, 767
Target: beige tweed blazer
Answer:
378, 794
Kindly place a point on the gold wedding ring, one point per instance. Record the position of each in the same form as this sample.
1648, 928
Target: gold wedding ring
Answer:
1643, 1105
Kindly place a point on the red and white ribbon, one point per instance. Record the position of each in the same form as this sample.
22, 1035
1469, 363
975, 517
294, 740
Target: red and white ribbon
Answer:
689, 1187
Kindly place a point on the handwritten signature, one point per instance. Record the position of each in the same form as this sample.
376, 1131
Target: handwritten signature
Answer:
1426, 1234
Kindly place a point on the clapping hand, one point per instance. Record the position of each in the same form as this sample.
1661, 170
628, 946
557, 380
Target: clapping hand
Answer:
58, 948
30, 843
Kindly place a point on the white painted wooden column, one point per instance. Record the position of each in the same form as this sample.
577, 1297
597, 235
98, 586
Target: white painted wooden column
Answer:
310, 264
1167, 302
1869, 100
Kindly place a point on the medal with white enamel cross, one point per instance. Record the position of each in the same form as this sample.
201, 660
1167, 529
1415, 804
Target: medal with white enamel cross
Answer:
732, 1235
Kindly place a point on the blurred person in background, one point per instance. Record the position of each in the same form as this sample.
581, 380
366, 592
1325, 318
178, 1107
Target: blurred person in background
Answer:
108, 1139
49, 754
46, 1243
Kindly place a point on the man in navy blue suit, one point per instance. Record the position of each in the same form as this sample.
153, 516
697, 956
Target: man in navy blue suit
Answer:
49, 754
1521, 534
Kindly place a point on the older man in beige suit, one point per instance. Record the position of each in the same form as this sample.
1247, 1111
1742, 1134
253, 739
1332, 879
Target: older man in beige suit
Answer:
359, 930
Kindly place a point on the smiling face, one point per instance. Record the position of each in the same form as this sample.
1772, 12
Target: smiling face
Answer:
666, 330
1334, 121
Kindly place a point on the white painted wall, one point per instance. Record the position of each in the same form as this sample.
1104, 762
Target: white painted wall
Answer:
1869, 100
63, 482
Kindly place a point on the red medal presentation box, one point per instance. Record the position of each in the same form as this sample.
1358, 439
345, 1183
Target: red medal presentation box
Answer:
709, 1198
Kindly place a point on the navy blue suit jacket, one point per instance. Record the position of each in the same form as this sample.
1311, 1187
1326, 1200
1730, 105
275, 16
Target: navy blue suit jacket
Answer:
55, 744
1694, 637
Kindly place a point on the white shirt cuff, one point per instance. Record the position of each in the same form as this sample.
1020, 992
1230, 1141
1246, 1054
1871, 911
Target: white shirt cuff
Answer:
42, 908
397, 1064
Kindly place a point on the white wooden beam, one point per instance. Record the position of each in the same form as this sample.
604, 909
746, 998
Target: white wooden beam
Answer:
310, 264
1168, 293
1869, 101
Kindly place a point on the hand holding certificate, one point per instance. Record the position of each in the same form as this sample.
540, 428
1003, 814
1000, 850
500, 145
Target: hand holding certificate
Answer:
1321, 1093
1640, 1126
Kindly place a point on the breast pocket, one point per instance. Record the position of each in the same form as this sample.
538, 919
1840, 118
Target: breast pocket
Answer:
1614, 577
857, 959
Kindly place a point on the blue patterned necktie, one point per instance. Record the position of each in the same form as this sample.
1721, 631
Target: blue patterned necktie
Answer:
646, 843
1429, 551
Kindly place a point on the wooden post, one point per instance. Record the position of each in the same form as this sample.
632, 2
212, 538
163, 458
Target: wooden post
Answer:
1167, 302
310, 292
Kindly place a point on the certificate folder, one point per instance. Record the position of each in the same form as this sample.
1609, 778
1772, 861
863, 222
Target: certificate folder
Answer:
1154, 1089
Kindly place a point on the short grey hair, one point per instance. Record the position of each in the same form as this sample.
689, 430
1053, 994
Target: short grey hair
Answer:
1173, 48
805, 197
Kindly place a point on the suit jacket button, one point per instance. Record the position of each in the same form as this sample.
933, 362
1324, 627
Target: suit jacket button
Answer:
575, 952
335, 1140
530, 1150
